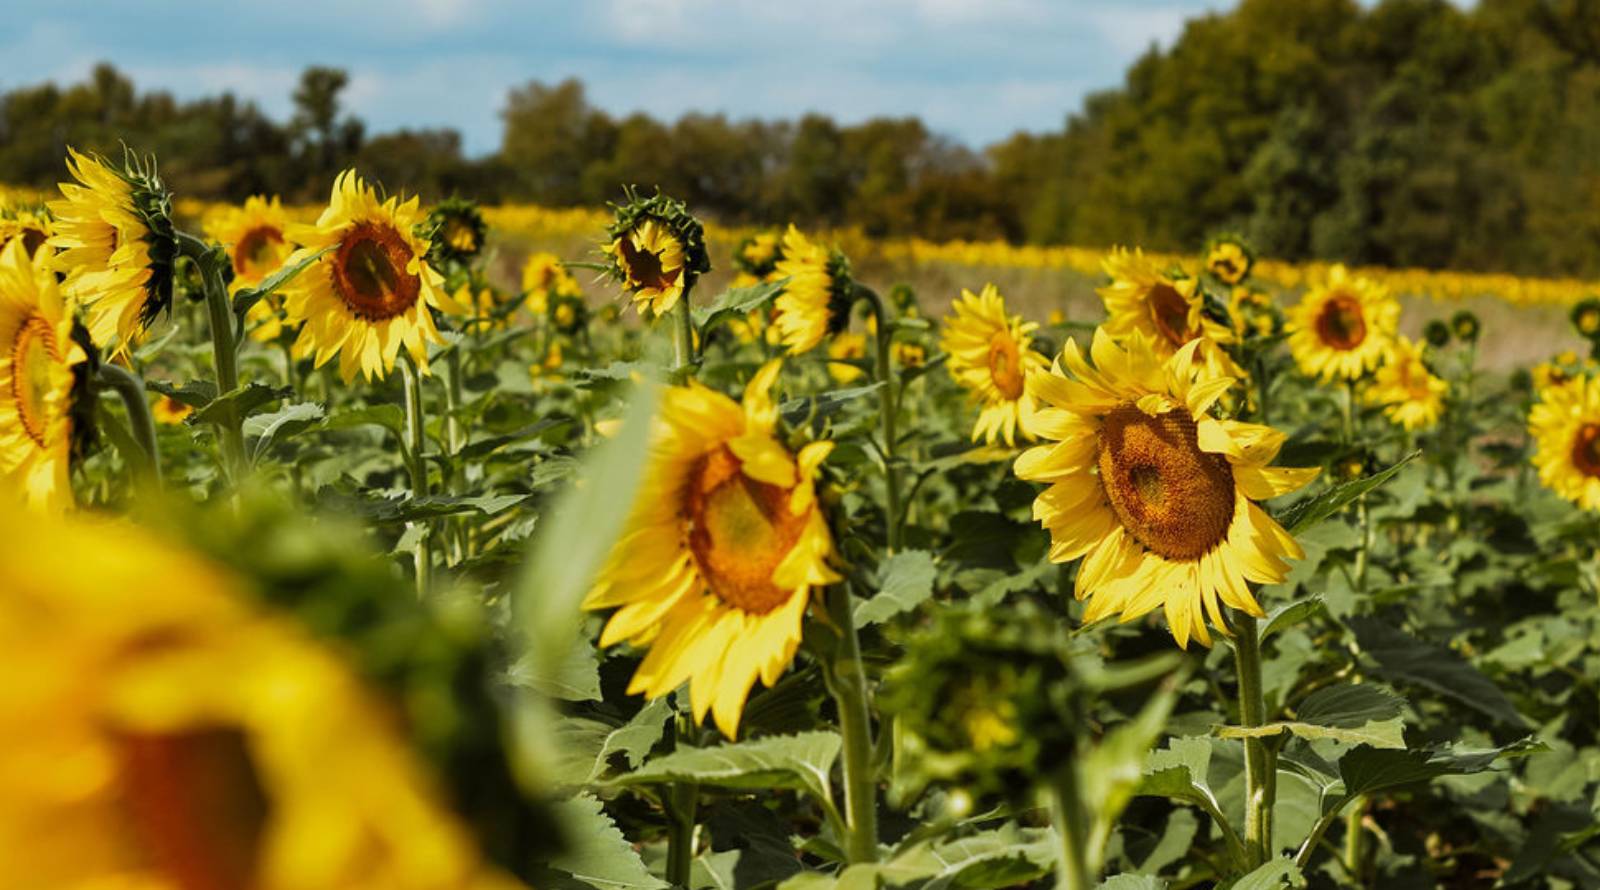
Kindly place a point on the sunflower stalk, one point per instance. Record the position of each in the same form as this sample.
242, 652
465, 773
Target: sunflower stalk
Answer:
888, 408
1068, 813
224, 348
417, 467
682, 336
455, 440
1260, 770
130, 388
682, 803
847, 681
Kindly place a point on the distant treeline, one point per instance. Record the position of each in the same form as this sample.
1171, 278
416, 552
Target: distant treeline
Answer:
1410, 132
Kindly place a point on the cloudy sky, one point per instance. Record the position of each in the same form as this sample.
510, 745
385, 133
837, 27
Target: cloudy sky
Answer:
976, 70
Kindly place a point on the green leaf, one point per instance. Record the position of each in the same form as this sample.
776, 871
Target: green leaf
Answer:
1133, 882
287, 421
248, 297
195, 393
1181, 772
587, 746
388, 416
905, 582
801, 762
1306, 513
1378, 733
735, 303
1111, 772
1271, 876
596, 853
1367, 770
378, 508
1288, 615
241, 402
822, 405
1404, 658
1350, 713
1001, 857
575, 678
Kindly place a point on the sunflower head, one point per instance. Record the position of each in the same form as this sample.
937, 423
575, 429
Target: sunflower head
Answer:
544, 276
1586, 318
31, 224
1167, 307
758, 254
846, 351
910, 354
1229, 259
816, 300
992, 357
1565, 426
1437, 333
1154, 494
456, 232
1464, 324
1255, 314
903, 297
568, 314
1342, 326
115, 244
1409, 392
656, 249
255, 236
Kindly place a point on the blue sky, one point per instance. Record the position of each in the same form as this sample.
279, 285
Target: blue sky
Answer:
975, 70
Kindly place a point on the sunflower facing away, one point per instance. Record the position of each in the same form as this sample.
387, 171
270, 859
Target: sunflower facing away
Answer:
255, 236
1565, 425
992, 356
816, 301
721, 551
1165, 307
1410, 394
1156, 496
115, 245
37, 362
371, 293
1342, 327
169, 735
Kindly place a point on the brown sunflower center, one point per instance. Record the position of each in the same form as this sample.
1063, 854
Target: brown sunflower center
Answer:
1005, 365
32, 240
740, 530
196, 803
1340, 323
644, 267
256, 253
369, 272
1172, 497
1169, 311
1586, 449
32, 352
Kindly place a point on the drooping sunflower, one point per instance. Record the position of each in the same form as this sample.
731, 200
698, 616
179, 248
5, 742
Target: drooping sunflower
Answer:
1229, 259
721, 552
32, 226
657, 250
115, 244
1565, 425
1157, 497
255, 236
1166, 307
991, 357
169, 735
543, 277
816, 301
1410, 394
38, 362
1342, 326
371, 293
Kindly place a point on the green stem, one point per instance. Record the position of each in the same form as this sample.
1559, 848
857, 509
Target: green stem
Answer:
455, 440
682, 335
130, 389
888, 409
1355, 839
224, 350
417, 467
1072, 831
682, 804
847, 680
1260, 773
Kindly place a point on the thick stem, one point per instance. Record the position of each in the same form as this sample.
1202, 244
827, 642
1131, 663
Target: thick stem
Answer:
847, 680
682, 805
1355, 839
417, 467
455, 440
130, 389
1260, 773
682, 335
224, 352
1072, 831
888, 409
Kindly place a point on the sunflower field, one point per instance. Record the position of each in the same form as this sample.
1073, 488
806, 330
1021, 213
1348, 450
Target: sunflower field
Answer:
375, 545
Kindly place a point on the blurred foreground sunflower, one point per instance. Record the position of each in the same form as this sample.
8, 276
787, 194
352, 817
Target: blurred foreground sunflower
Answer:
1565, 426
992, 356
166, 735
256, 239
721, 552
116, 246
38, 360
1165, 307
1342, 326
1158, 497
372, 292
1410, 394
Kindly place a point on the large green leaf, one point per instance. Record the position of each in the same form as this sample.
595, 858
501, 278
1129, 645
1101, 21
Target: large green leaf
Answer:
904, 581
1133, 882
1306, 513
801, 762
1366, 770
1349, 713
241, 401
1404, 658
1270, 876
267, 429
596, 852
736, 303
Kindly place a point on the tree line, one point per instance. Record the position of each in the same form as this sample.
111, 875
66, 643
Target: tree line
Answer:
1408, 132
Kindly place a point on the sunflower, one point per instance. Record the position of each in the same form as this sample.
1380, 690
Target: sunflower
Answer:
1565, 425
1560, 369
371, 293
1410, 394
1164, 306
1586, 317
1342, 326
908, 354
38, 364
844, 351
458, 231
992, 357
115, 245
721, 552
484, 306
1158, 497
33, 227
657, 249
1229, 260
167, 735
255, 237
816, 301
544, 276
757, 255
1254, 313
